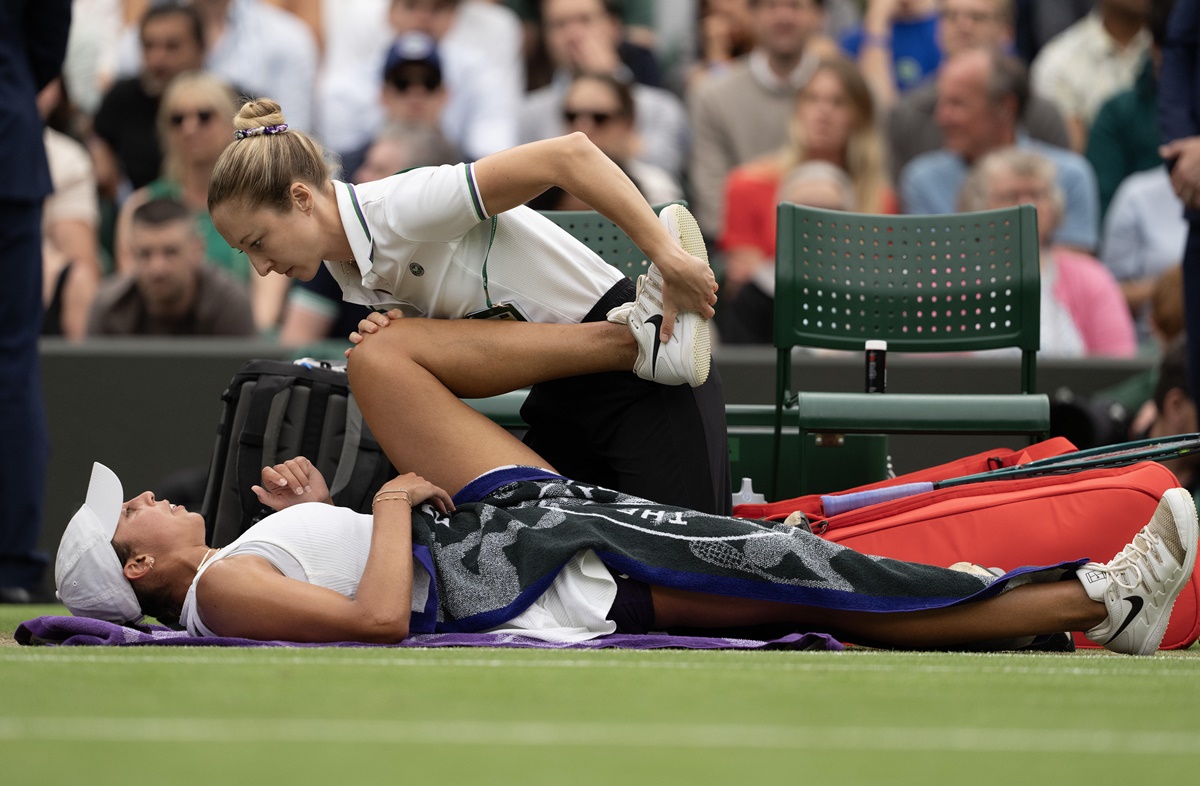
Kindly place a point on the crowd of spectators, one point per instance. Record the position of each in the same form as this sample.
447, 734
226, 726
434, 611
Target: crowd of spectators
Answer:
1085, 108
880, 106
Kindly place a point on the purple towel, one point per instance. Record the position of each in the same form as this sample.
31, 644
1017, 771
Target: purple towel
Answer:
84, 631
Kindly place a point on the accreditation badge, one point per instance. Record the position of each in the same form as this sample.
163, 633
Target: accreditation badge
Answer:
503, 310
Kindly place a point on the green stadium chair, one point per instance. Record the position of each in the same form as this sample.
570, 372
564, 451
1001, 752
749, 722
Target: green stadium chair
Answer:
605, 238
949, 283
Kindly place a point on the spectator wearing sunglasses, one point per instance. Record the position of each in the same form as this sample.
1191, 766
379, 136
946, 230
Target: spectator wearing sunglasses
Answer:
582, 36
413, 95
255, 45
602, 107
124, 146
479, 51
195, 123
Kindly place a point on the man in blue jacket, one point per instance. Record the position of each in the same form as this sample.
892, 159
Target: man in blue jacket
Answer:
33, 42
1179, 123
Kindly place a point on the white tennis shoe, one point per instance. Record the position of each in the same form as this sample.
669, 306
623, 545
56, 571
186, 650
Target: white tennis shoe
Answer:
687, 357
1139, 585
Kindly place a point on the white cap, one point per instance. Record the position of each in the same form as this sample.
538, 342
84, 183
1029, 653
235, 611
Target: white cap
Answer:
88, 574
878, 344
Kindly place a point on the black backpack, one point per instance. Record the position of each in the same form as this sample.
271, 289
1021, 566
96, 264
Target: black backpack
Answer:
273, 411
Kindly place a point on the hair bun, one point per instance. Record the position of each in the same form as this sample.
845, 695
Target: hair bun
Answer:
258, 113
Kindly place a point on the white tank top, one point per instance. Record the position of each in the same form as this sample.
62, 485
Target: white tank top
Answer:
328, 546
312, 542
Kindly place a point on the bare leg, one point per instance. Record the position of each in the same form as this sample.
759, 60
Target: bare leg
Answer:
408, 377
1029, 610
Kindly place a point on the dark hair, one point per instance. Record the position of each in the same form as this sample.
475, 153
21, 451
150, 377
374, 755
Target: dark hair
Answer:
611, 8
156, 602
157, 212
1009, 78
1172, 371
622, 90
1160, 13
173, 7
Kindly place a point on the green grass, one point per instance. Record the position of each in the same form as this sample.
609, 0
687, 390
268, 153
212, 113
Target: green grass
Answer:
206, 715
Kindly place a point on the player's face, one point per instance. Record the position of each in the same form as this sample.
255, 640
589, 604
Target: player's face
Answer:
287, 243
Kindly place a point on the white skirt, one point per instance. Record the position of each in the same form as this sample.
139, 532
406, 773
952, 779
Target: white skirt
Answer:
574, 608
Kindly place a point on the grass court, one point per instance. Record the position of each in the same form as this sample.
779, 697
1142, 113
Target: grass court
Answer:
99, 715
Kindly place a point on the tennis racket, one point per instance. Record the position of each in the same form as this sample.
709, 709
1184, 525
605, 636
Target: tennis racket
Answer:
1119, 455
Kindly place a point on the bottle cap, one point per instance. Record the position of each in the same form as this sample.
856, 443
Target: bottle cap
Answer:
876, 343
746, 494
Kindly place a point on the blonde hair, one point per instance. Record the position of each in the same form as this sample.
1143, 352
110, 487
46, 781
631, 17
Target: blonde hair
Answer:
209, 88
258, 171
865, 158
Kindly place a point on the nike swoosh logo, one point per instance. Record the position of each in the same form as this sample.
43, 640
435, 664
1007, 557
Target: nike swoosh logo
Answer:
1135, 605
655, 320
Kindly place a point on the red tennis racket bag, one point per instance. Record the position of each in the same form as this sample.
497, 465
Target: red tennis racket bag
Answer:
1007, 523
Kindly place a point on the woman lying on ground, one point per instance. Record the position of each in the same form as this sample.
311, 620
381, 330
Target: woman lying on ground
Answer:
489, 537
455, 242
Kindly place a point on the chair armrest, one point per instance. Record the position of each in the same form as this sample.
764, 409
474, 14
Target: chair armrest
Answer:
902, 413
748, 415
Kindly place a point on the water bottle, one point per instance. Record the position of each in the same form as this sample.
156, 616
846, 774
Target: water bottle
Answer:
746, 494
876, 366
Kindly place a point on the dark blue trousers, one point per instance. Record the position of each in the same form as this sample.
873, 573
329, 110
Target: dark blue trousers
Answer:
1191, 304
24, 439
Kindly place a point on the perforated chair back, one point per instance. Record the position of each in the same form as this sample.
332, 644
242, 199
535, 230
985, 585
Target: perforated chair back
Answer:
604, 237
947, 283
951, 283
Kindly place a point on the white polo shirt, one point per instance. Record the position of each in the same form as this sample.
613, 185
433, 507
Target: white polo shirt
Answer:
421, 238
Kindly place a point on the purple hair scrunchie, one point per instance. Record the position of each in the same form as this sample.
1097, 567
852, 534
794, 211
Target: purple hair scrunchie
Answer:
260, 130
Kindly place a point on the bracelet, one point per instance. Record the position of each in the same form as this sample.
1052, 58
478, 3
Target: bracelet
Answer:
388, 496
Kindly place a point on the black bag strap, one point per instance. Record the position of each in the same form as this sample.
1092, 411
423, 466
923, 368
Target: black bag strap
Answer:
314, 427
362, 467
216, 467
250, 442
264, 393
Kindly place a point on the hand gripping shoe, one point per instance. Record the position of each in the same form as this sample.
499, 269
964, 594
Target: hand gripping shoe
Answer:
686, 357
1139, 585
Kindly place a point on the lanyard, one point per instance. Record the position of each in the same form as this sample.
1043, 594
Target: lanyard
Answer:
487, 295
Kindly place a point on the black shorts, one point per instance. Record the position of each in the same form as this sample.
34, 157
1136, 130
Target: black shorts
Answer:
665, 443
633, 608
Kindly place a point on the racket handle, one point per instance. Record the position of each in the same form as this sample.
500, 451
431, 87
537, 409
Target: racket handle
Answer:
836, 504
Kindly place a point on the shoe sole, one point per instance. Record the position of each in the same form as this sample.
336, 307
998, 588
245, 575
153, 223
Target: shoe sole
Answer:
1183, 509
682, 225
700, 350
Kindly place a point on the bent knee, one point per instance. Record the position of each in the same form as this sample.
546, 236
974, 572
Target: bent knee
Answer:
378, 350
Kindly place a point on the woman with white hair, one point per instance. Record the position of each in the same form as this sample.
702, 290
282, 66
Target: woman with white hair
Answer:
749, 316
1083, 310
